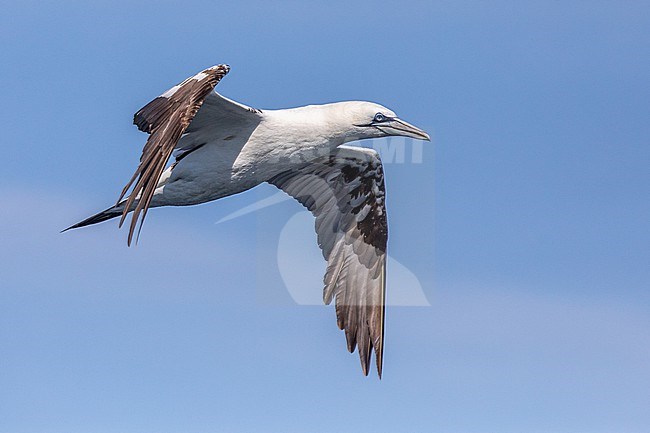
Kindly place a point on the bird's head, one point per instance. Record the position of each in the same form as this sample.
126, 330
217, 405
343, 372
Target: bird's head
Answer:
370, 120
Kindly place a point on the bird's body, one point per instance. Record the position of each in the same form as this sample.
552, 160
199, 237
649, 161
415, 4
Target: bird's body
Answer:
236, 160
223, 148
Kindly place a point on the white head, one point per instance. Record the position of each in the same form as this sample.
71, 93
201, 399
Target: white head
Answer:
370, 120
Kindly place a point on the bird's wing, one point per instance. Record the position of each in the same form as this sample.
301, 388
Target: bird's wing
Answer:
166, 119
218, 118
345, 192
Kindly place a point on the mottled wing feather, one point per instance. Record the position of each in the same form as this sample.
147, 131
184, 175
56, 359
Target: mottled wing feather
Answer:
165, 119
345, 192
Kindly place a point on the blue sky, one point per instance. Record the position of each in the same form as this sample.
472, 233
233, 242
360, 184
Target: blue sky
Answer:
526, 224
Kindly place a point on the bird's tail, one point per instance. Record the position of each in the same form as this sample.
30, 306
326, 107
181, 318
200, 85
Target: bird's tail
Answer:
104, 215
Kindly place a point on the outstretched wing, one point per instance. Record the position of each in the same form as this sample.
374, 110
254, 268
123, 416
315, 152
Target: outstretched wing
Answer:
218, 118
345, 192
165, 118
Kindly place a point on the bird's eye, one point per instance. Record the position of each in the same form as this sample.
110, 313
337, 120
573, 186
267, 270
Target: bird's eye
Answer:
379, 117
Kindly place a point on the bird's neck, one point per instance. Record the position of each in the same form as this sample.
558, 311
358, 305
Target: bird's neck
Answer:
312, 126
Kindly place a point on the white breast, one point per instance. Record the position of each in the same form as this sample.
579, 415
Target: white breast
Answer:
237, 160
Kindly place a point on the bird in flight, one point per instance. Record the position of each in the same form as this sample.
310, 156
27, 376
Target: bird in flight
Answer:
222, 147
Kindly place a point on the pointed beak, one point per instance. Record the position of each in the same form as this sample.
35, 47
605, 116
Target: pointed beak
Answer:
399, 127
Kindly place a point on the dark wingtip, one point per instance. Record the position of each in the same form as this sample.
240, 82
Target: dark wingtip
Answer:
97, 218
81, 224
69, 228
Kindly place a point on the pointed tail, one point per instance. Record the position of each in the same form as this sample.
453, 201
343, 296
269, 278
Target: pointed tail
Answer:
104, 215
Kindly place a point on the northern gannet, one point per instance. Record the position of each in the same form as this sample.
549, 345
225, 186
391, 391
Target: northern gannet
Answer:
222, 147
